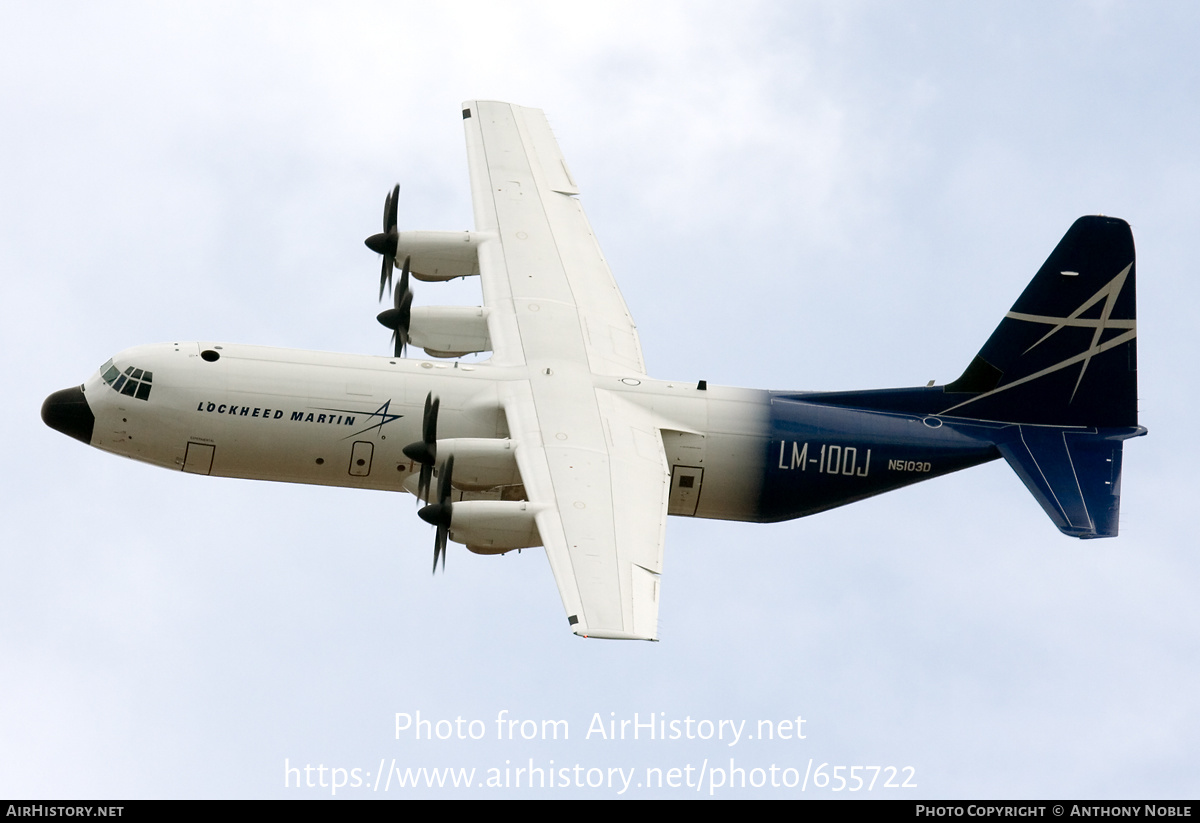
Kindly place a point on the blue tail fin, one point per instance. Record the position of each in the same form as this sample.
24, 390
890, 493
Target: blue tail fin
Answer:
1066, 354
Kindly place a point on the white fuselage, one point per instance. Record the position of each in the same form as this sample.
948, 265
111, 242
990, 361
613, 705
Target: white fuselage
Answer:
343, 420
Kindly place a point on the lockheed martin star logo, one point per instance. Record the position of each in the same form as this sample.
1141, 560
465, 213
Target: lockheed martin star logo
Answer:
382, 413
1109, 295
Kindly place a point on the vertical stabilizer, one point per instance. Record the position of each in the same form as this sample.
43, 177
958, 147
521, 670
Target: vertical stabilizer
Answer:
1066, 353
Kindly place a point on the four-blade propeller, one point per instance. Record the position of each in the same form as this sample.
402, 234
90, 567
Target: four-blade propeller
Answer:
440, 513
398, 319
424, 451
387, 242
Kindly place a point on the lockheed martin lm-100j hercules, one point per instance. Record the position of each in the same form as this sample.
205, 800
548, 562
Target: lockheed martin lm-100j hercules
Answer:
560, 439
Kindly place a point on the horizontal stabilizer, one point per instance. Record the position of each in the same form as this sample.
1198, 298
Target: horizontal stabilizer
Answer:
1074, 475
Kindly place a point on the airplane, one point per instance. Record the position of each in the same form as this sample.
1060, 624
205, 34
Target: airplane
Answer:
561, 439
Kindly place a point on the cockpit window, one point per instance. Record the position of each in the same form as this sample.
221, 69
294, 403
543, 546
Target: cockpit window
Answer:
132, 382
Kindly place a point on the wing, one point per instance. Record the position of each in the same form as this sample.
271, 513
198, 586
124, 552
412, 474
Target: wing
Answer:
592, 461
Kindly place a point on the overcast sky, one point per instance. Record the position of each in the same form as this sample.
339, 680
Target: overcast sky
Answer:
798, 195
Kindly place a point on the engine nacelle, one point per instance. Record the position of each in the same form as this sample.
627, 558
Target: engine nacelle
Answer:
480, 463
494, 526
450, 331
440, 255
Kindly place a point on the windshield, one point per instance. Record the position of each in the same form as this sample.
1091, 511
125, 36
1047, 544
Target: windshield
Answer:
133, 382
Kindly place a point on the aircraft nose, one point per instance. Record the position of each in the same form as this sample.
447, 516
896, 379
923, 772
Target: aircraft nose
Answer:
68, 411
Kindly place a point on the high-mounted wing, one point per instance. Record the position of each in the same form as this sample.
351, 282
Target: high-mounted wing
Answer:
592, 462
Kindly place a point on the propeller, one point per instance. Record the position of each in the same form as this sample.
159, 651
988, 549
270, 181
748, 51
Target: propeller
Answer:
387, 242
399, 318
440, 513
424, 451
